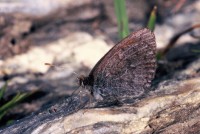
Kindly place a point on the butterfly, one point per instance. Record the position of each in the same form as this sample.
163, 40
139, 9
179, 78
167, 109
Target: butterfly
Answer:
125, 71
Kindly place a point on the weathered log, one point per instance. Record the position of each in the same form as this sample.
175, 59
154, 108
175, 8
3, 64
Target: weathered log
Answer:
172, 108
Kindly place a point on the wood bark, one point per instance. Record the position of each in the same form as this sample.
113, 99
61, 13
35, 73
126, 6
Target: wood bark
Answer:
174, 108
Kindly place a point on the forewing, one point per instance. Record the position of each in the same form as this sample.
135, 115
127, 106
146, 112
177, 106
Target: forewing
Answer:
127, 69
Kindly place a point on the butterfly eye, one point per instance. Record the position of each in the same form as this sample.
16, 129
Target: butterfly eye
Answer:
81, 79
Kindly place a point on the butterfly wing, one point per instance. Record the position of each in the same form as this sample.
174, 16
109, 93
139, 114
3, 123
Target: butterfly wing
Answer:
127, 69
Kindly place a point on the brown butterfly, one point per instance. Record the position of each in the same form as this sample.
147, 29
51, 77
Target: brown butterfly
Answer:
126, 71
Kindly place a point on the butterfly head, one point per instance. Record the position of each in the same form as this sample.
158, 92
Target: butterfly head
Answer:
81, 80
85, 81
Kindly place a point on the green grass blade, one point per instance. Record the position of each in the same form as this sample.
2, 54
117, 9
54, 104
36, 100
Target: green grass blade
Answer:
9, 104
2, 114
195, 51
19, 97
152, 19
122, 19
2, 90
